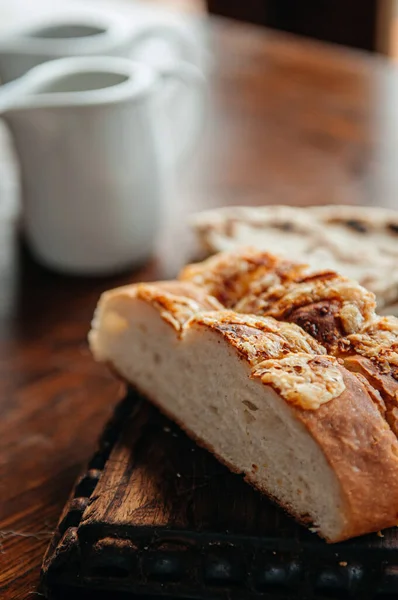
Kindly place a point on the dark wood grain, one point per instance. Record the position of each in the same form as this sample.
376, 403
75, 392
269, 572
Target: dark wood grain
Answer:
289, 121
155, 513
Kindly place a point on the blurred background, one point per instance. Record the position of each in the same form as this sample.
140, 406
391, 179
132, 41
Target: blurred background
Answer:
262, 102
366, 24
370, 25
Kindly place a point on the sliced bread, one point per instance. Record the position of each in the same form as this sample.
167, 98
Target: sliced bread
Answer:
263, 396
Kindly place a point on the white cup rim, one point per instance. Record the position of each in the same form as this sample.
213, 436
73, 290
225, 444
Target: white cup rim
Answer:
112, 30
139, 80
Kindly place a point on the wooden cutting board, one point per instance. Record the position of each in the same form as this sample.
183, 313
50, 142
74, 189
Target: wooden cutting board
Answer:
156, 515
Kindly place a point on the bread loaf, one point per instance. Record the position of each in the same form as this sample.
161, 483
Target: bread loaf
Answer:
262, 395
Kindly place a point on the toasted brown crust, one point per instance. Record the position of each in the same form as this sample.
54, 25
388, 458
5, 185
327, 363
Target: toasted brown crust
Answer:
259, 338
383, 383
363, 452
231, 276
374, 354
351, 306
325, 304
176, 301
378, 341
321, 320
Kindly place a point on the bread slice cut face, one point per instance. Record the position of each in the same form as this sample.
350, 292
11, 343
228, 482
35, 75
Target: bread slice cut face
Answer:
263, 396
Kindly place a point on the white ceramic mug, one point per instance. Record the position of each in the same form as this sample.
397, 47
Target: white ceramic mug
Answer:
88, 32
87, 132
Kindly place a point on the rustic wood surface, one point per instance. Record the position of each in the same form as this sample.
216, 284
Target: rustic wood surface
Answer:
289, 121
154, 513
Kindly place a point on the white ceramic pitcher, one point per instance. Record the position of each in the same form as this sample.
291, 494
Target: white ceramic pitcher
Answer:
88, 133
87, 32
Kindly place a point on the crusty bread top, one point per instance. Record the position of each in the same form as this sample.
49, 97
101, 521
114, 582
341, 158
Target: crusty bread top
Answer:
302, 379
230, 276
176, 301
260, 338
354, 305
325, 304
373, 353
378, 341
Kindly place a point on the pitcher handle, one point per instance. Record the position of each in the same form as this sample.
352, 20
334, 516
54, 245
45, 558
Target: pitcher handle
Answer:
182, 121
169, 33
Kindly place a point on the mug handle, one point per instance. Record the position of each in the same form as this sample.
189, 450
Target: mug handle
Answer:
172, 35
182, 122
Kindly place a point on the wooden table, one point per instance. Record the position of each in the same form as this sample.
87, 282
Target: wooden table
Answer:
290, 121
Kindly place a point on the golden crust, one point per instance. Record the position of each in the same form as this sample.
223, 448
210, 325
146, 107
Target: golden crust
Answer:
325, 304
302, 379
374, 354
229, 276
378, 341
353, 306
362, 451
384, 383
262, 337
176, 301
